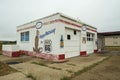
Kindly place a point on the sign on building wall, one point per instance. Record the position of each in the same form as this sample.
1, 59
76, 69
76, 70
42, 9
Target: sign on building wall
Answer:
48, 46
47, 33
61, 42
47, 43
36, 44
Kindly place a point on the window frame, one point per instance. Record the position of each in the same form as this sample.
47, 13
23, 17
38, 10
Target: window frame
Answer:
90, 36
25, 36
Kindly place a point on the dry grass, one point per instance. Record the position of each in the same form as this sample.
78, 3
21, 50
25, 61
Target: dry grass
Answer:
43, 64
65, 78
5, 69
112, 48
83, 70
30, 76
70, 71
71, 64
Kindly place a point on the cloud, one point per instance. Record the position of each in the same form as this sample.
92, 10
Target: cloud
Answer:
103, 14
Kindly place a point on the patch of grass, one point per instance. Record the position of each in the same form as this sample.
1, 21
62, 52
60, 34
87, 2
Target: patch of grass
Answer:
65, 78
89, 67
71, 64
51, 62
114, 48
43, 64
70, 71
55, 68
79, 72
30, 76
5, 69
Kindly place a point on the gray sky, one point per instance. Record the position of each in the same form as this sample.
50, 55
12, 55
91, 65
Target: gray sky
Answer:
102, 14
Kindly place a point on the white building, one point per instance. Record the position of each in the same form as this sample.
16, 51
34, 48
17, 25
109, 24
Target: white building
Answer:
56, 37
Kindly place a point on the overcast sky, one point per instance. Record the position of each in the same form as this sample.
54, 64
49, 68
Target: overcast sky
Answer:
102, 14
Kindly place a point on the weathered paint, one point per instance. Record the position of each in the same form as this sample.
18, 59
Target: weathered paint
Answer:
11, 53
44, 55
95, 51
83, 53
55, 21
50, 38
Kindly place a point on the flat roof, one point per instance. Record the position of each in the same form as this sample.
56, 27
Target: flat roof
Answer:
62, 15
109, 33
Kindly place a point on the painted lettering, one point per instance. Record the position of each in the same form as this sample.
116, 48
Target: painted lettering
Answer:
47, 33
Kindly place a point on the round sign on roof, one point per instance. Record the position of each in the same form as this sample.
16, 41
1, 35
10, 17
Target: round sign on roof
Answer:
84, 28
38, 25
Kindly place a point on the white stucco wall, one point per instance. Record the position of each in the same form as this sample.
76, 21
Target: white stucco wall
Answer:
54, 37
26, 45
60, 29
10, 48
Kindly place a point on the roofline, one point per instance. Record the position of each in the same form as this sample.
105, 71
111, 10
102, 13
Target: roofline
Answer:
75, 20
62, 15
109, 33
7, 40
38, 19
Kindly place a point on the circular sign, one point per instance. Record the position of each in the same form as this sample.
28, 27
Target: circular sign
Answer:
84, 28
38, 25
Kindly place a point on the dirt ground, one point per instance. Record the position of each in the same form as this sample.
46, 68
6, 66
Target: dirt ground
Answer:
5, 69
107, 70
47, 70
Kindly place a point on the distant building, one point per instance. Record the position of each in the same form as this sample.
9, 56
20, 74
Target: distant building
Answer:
5, 42
109, 40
